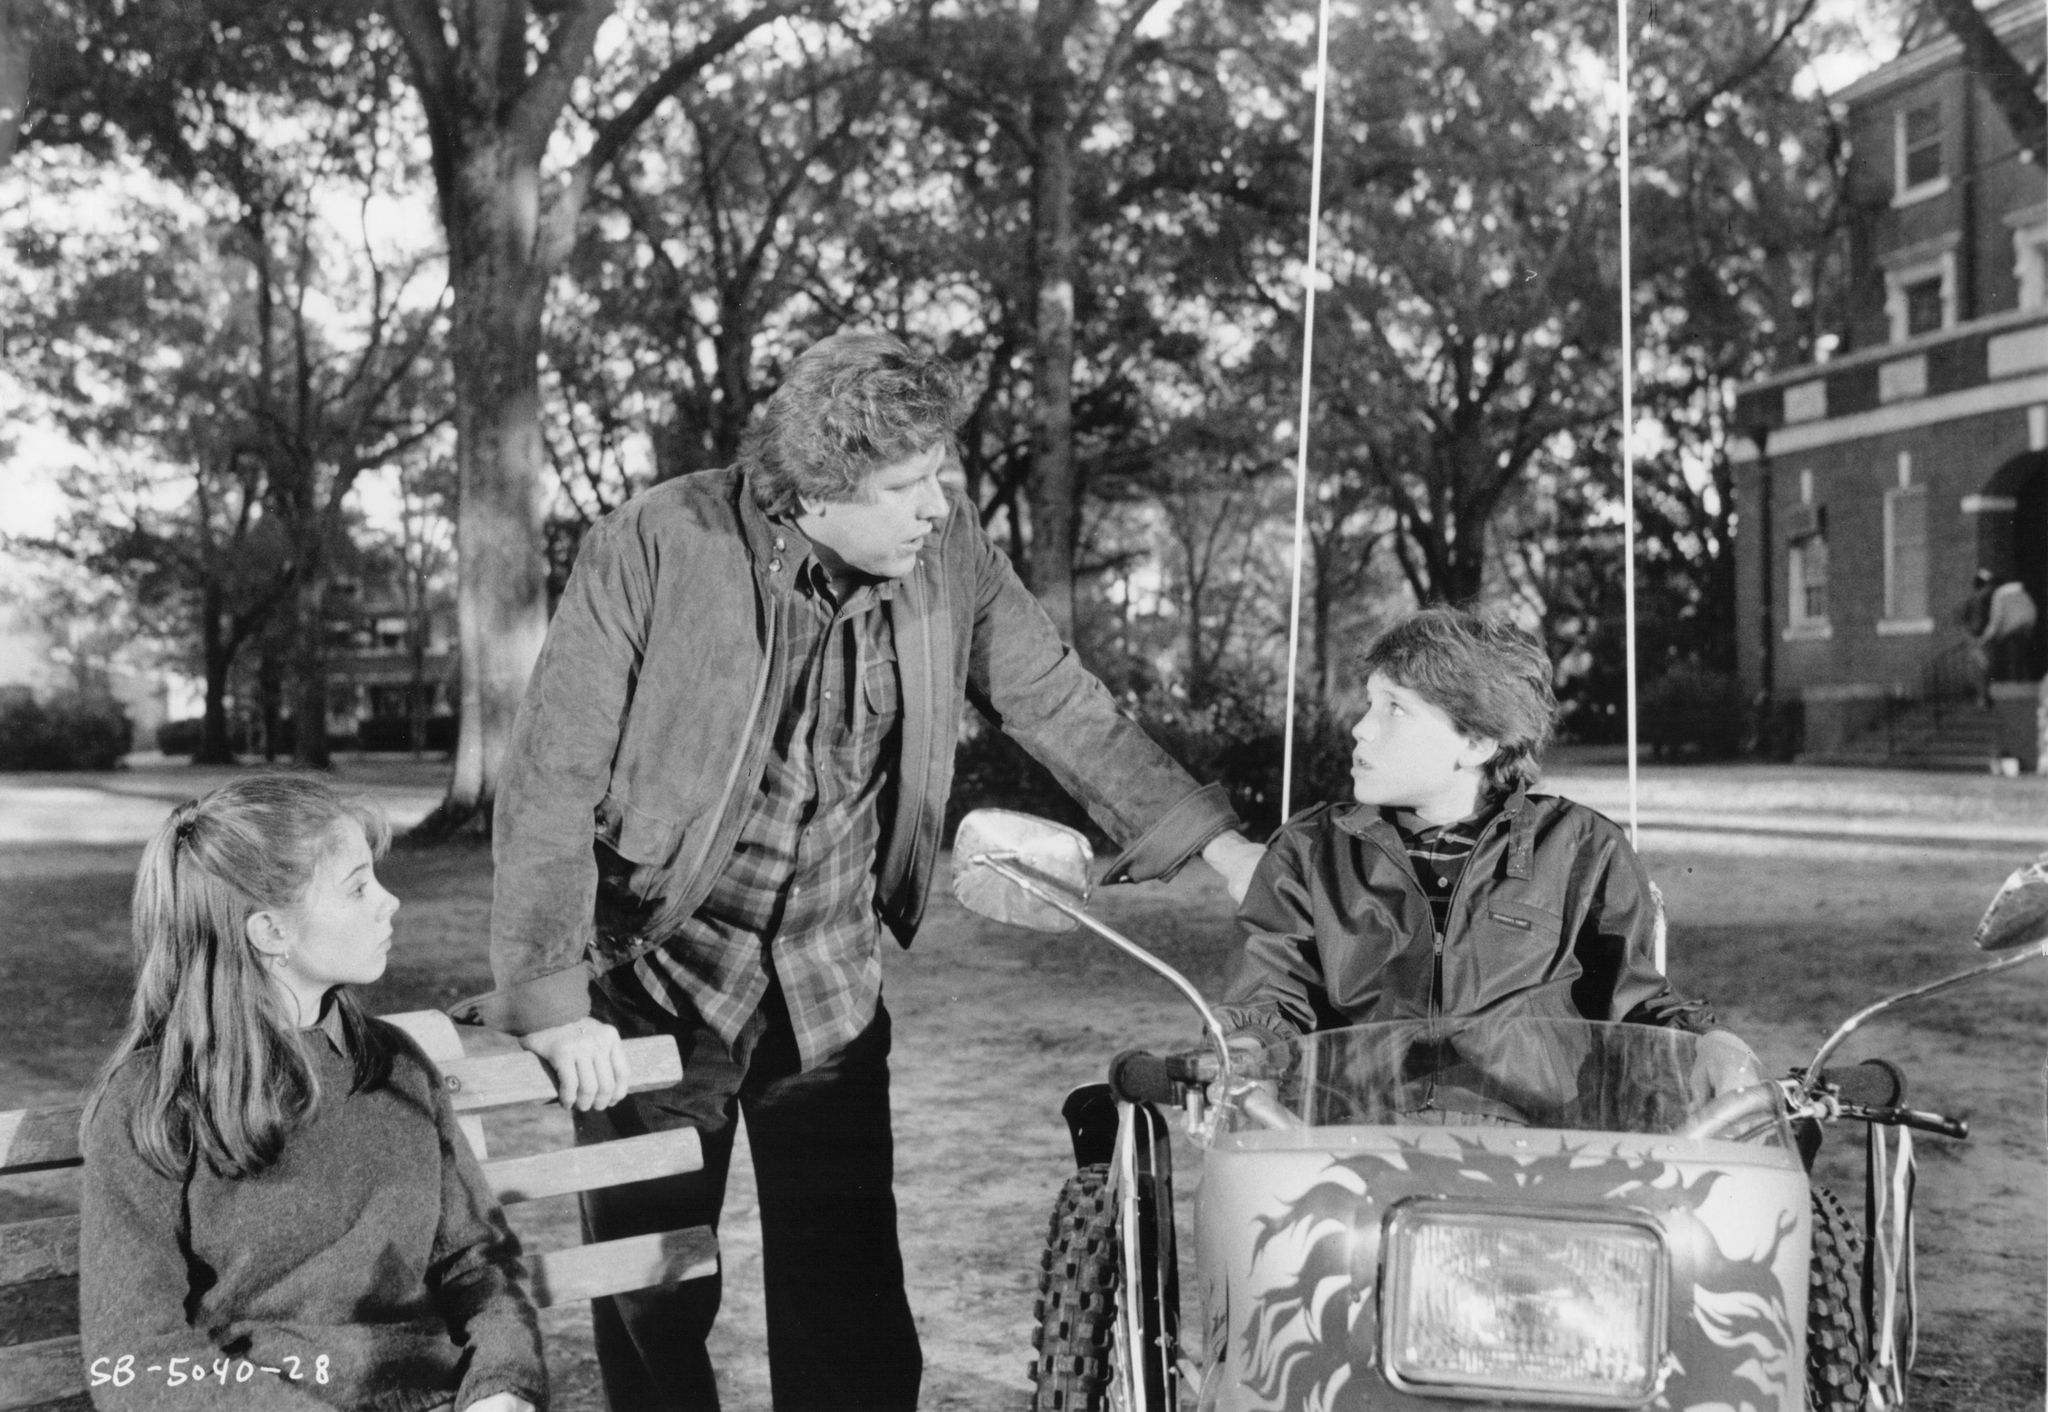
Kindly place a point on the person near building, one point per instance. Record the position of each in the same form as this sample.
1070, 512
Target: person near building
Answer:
725, 786
2006, 641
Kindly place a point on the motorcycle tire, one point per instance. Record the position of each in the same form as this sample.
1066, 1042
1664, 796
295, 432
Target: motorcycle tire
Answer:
1077, 1299
1836, 1368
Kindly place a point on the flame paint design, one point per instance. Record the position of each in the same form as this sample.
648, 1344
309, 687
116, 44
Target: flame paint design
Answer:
1311, 1341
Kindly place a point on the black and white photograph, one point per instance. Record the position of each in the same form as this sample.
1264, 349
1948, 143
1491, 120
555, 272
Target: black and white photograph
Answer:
1023, 705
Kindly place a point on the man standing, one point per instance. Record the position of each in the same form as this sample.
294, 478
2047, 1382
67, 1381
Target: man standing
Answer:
726, 781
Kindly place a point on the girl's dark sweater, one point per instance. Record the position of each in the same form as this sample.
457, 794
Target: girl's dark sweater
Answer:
372, 1250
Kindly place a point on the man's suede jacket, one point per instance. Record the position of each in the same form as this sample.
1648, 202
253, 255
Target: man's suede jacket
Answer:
642, 736
1552, 918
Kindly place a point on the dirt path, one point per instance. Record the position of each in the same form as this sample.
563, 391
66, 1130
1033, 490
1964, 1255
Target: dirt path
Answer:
1785, 933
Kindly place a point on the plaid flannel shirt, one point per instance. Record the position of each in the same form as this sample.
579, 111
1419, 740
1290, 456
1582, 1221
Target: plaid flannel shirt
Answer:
798, 896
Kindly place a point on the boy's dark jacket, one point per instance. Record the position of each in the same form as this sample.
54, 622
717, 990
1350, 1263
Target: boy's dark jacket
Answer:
643, 734
1552, 918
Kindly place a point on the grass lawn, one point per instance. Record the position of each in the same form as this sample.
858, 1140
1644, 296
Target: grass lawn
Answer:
1787, 932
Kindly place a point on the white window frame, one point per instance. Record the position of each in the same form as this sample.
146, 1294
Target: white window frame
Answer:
1898, 278
1893, 624
2030, 263
1798, 624
1902, 194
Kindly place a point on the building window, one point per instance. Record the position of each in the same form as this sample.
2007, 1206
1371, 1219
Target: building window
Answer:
1809, 579
2030, 263
1920, 289
1905, 555
1923, 306
1916, 142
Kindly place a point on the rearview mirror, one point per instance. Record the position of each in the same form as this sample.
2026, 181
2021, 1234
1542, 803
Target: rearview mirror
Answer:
2018, 914
1053, 856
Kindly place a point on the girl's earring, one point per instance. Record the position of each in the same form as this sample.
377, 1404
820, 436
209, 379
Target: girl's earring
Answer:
278, 960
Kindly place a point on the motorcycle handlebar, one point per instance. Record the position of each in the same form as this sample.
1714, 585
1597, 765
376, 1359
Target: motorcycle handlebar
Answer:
1137, 1076
1874, 1083
1958, 1128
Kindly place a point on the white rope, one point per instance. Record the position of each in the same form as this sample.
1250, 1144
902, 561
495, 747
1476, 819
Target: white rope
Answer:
1308, 340
1628, 464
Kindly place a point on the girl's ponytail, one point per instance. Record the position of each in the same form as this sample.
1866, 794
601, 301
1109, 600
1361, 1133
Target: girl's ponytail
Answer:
221, 1074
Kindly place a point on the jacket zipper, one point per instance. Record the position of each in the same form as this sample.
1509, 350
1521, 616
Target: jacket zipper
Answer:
1436, 968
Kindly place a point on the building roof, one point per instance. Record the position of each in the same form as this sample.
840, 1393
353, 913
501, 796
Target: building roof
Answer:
2008, 18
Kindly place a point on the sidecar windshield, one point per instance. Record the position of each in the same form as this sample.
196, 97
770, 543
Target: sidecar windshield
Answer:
1569, 1074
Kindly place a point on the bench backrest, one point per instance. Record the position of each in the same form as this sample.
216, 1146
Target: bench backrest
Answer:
44, 1252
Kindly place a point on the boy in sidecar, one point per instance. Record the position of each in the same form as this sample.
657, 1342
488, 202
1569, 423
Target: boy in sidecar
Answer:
1448, 890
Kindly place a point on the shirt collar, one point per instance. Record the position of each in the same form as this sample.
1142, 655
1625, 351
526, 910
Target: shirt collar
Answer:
795, 550
329, 1024
1358, 818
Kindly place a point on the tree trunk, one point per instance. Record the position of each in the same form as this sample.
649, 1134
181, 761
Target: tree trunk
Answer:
1053, 500
416, 695
214, 746
501, 565
17, 47
309, 676
270, 694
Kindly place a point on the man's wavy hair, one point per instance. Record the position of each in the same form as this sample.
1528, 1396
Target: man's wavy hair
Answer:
1489, 676
851, 404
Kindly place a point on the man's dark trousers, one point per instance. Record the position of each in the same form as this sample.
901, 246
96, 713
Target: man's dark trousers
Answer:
840, 1333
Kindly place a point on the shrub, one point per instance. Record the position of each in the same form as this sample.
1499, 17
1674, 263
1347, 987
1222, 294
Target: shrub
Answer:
71, 730
181, 737
1693, 710
395, 733
1226, 743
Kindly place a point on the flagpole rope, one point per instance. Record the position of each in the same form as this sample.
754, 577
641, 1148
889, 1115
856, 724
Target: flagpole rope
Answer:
1628, 420
1308, 340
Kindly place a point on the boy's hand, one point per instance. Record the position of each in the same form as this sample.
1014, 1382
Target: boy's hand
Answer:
1727, 1063
1235, 858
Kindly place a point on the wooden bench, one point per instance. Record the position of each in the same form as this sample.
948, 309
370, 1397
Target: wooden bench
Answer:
39, 1258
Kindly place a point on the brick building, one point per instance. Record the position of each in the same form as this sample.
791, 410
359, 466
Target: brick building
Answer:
1876, 483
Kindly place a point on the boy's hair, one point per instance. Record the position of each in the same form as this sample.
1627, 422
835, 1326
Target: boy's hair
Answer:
1489, 676
224, 1080
851, 404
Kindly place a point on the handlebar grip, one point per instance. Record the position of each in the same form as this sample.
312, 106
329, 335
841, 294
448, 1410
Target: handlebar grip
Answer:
1874, 1083
1958, 1128
1136, 1076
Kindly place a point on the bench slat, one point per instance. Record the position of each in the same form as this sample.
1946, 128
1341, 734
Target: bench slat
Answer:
622, 1160
32, 1139
35, 1373
508, 1080
437, 1035
38, 1250
432, 1031
617, 1266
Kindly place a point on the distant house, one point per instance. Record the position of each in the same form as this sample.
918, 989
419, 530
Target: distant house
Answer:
372, 671
1874, 485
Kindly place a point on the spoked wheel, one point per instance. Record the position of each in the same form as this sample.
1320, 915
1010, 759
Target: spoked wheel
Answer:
1835, 1369
1077, 1301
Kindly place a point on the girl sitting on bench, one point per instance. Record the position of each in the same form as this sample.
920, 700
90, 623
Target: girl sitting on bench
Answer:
279, 1210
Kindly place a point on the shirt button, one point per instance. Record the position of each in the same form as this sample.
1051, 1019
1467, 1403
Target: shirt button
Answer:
1443, 882
828, 696
778, 542
775, 565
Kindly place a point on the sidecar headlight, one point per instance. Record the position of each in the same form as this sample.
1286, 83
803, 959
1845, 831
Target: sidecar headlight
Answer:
1543, 1304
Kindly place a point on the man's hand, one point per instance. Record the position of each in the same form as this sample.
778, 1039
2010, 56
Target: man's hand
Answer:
1727, 1063
589, 1063
1235, 858
500, 1401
